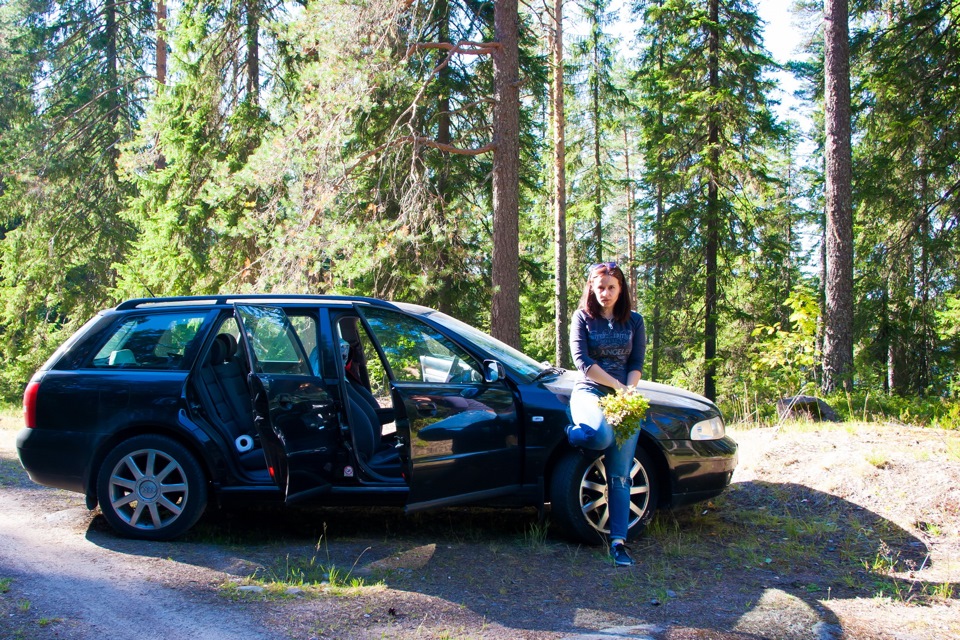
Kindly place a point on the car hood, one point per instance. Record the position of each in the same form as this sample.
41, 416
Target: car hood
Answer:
662, 395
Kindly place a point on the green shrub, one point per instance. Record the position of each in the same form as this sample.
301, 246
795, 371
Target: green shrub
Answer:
942, 413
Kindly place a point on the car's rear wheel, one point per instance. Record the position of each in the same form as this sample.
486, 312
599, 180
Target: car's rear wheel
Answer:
578, 496
150, 487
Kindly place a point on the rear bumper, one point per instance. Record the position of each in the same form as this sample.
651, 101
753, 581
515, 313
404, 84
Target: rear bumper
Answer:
699, 469
55, 458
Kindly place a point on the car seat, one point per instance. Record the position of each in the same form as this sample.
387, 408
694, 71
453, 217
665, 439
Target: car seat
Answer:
225, 387
382, 458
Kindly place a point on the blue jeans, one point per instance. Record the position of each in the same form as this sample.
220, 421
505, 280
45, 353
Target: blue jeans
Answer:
618, 461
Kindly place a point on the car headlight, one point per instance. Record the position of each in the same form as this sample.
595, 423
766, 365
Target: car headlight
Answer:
711, 429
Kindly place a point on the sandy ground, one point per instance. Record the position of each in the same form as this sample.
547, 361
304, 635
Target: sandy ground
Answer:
489, 574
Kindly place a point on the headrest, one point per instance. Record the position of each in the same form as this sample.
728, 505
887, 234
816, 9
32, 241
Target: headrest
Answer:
223, 348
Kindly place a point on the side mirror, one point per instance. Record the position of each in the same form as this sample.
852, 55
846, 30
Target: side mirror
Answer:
493, 371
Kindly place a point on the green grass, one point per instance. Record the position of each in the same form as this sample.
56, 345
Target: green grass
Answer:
308, 574
862, 405
5, 584
878, 459
535, 535
953, 448
941, 591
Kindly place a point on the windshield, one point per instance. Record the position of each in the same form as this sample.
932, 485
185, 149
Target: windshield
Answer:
511, 358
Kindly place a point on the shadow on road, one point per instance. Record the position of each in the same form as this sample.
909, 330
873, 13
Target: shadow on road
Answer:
764, 560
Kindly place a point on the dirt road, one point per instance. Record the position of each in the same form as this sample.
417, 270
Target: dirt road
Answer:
65, 582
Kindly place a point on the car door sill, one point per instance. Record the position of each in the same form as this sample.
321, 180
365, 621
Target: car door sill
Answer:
464, 498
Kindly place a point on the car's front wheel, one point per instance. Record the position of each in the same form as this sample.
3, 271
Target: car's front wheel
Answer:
579, 498
151, 487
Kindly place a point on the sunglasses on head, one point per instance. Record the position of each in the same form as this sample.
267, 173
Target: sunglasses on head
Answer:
609, 266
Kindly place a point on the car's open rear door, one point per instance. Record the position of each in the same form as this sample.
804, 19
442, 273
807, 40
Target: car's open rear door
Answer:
294, 414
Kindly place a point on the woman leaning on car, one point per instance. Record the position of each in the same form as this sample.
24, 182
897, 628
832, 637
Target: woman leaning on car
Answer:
608, 344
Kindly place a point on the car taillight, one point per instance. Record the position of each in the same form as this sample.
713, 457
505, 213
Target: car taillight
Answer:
30, 404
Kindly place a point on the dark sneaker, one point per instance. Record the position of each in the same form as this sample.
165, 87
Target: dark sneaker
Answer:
578, 436
619, 555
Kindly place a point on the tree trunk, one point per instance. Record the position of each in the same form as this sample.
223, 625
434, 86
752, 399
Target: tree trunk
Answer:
658, 266
597, 192
927, 330
253, 52
113, 85
657, 329
838, 310
446, 303
891, 329
559, 194
161, 162
505, 311
631, 236
711, 227
161, 42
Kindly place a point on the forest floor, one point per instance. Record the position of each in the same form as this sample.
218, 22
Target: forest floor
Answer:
827, 532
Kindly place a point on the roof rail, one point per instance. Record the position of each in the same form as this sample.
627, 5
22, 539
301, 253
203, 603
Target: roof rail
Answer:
225, 299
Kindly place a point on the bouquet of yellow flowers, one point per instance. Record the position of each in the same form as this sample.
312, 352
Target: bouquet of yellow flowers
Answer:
624, 410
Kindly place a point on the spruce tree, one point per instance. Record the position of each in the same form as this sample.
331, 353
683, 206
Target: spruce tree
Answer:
707, 125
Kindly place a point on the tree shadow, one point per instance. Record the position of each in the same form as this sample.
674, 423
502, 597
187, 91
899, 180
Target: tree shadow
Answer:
763, 560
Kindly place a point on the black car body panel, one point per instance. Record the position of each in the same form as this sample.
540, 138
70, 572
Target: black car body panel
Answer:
336, 400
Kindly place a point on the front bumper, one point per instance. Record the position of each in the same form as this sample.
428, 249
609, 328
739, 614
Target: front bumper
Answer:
699, 469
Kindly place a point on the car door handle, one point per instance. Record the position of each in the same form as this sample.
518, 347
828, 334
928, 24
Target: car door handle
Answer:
427, 408
285, 400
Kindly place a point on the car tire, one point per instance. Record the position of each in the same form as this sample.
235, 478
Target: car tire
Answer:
578, 496
151, 488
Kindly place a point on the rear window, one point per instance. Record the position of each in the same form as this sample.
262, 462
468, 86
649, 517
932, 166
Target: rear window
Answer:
154, 341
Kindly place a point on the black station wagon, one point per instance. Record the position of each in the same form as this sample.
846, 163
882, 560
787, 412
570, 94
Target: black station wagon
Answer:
161, 405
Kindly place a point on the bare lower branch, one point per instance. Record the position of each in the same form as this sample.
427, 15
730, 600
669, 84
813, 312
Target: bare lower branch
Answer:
411, 139
465, 47
422, 141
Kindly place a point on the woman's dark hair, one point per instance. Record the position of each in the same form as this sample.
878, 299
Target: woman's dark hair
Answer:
588, 301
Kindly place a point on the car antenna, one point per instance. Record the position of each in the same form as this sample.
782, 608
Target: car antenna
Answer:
144, 285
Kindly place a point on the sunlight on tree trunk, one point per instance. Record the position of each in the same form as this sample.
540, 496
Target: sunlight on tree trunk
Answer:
505, 312
161, 42
838, 308
562, 349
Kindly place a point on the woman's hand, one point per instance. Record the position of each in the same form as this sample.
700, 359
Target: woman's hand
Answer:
598, 375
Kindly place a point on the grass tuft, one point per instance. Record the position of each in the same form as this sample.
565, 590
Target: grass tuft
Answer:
535, 535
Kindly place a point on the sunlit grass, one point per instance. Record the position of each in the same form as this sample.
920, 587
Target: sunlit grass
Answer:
11, 417
878, 459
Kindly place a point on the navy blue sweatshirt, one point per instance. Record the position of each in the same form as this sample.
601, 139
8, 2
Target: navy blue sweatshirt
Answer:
618, 348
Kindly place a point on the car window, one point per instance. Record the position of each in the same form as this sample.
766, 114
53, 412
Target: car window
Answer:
416, 352
155, 341
513, 359
306, 328
360, 359
276, 347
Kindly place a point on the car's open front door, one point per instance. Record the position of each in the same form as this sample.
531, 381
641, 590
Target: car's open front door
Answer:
295, 415
460, 431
